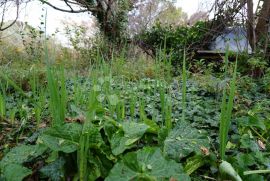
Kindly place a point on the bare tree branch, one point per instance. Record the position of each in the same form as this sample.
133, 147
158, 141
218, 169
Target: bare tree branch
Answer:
3, 16
65, 10
67, 3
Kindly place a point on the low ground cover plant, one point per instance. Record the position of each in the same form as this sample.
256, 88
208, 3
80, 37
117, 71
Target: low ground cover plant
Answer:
107, 127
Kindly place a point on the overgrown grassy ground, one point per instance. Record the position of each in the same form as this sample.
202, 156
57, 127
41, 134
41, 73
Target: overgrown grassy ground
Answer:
131, 120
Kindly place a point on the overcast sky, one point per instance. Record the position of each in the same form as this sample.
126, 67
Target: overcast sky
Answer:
33, 11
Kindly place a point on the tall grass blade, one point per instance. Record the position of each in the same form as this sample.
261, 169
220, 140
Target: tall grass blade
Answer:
2, 106
13, 84
184, 86
168, 114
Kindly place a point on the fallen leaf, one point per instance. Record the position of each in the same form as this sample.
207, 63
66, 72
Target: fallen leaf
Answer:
204, 150
261, 145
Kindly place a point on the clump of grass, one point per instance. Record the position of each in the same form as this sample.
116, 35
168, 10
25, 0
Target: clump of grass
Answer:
85, 141
226, 113
58, 95
120, 110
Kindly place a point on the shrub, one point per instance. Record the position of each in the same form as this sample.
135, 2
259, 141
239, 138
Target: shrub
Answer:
173, 40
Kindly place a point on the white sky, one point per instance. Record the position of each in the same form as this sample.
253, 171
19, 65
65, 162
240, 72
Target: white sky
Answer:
190, 6
33, 12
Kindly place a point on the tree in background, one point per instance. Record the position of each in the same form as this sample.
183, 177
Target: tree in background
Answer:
172, 16
262, 27
110, 14
143, 16
149, 12
198, 16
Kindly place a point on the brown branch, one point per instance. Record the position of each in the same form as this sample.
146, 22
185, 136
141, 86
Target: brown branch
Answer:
65, 10
68, 5
14, 21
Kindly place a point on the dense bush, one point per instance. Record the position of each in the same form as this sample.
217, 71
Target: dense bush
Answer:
173, 40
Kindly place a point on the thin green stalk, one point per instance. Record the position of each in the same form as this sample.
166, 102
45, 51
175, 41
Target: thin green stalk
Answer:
162, 100
141, 110
39, 106
13, 84
256, 172
12, 115
2, 106
63, 94
132, 106
168, 114
184, 86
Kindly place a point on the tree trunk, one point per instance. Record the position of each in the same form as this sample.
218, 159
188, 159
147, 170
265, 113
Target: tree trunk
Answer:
250, 24
263, 21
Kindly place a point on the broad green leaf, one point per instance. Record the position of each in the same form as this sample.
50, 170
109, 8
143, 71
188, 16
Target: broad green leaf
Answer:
153, 127
21, 154
183, 140
11, 164
94, 173
245, 160
124, 139
63, 138
252, 121
118, 143
95, 138
58, 144
55, 171
134, 130
249, 143
69, 131
147, 164
110, 129
16, 172
100, 165
113, 99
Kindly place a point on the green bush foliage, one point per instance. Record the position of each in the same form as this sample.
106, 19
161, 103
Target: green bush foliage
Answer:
173, 40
